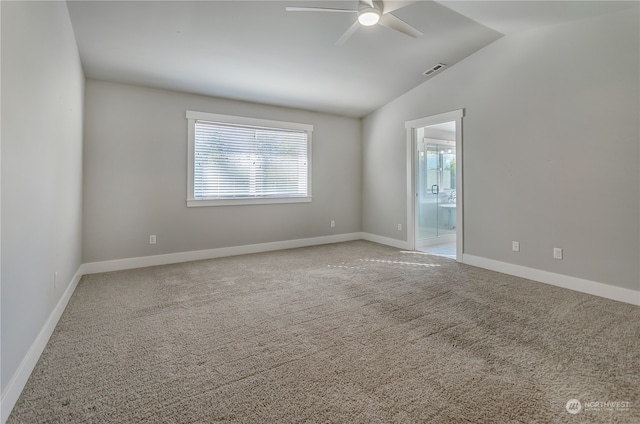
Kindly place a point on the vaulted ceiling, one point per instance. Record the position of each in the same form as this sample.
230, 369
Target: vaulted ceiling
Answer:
257, 51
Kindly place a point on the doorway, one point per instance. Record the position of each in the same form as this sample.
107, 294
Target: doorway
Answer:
434, 178
436, 194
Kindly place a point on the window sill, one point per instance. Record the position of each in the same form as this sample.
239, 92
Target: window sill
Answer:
191, 203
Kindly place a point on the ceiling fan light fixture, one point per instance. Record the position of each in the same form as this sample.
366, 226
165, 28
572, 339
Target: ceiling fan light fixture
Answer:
368, 16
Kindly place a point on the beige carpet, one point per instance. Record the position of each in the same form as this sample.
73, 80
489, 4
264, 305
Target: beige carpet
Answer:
346, 333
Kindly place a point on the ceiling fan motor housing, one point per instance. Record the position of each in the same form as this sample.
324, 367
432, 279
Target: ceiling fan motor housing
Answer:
368, 16
369, 13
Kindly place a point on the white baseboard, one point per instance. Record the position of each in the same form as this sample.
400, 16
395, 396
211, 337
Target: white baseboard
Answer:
197, 255
400, 244
19, 380
572, 283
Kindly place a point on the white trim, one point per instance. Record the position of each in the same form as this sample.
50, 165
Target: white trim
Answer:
400, 244
193, 116
412, 135
310, 164
242, 120
435, 119
572, 283
19, 380
191, 154
191, 203
197, 255
412, 127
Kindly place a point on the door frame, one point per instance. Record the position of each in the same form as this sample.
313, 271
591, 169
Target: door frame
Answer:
411, 129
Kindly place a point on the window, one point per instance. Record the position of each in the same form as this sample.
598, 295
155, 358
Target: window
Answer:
235, 160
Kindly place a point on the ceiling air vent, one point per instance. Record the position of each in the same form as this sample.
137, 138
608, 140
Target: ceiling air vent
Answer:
437, 68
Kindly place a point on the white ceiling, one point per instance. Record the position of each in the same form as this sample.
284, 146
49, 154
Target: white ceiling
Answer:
258, 52
513, 16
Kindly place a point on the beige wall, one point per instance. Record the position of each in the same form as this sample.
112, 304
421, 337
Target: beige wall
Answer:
135, 177
545, 112
42, 107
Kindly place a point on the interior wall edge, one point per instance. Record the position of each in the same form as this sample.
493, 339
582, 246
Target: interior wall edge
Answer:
198, 255
400, 244
581, 285
21, 376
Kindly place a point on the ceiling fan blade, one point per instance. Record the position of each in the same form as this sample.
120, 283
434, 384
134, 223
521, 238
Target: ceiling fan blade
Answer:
352, 29
368, 3
317, 9
393, 22
390, 6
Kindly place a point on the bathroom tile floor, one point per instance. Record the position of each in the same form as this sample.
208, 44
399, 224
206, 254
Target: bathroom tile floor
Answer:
447, 250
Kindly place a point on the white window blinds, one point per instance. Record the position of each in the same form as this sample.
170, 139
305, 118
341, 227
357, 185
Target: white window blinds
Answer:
237, 161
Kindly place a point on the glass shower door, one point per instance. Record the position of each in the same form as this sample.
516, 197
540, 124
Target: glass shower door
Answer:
435, 190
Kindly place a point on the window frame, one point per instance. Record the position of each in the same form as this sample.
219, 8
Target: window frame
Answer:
193, 116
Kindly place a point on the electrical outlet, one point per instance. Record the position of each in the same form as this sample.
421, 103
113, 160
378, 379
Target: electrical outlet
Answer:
152, 239
557, 253
515, 246
333, 223
399, 227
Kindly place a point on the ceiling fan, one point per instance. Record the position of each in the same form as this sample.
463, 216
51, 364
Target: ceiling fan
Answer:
370, 12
